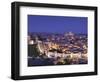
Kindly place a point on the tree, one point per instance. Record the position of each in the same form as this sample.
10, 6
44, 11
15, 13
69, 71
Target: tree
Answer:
33, 51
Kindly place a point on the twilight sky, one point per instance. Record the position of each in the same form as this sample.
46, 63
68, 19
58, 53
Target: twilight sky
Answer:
57, 24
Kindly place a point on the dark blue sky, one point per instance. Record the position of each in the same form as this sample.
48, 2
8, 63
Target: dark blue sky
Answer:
57, 24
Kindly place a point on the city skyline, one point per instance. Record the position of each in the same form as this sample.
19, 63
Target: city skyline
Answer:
57, 24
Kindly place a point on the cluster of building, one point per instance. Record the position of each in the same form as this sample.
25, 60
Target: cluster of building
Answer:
65, 45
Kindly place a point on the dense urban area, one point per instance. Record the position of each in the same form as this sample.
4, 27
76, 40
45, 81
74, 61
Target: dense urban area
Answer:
57, 49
